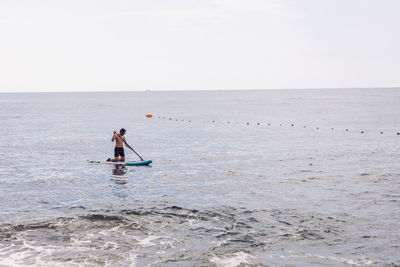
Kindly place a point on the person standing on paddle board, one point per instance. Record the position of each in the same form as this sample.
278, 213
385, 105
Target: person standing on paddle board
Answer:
119, 154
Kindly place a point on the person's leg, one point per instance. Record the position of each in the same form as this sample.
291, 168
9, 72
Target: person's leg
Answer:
122, 154
115, 155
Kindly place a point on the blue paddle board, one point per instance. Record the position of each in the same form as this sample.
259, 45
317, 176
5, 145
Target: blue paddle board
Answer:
126, 163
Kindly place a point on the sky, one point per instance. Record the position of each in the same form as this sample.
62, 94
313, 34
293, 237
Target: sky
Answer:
128, 45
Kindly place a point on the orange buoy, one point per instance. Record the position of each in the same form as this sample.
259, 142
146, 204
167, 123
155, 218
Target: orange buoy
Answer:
149, 115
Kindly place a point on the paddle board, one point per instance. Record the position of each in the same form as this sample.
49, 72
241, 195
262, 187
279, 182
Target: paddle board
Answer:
126, 163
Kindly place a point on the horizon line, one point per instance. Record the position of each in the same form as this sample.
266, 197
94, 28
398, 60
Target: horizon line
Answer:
196, 90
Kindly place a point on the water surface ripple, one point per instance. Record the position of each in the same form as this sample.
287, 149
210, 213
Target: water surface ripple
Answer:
217, 194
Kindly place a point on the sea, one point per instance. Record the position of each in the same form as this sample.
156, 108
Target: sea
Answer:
239, 178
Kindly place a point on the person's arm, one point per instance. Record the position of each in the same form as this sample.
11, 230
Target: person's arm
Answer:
126, 144
114, 137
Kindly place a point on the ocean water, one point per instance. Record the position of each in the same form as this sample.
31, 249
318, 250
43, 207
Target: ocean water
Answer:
239, 178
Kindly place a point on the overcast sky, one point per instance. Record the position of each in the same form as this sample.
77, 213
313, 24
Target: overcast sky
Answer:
83, 45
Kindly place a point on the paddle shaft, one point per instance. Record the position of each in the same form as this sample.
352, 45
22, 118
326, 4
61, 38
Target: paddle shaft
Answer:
129, 146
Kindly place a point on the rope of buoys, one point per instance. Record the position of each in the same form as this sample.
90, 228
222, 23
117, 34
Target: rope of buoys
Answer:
149, 115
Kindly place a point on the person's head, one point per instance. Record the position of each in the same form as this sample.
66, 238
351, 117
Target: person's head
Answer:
122, 131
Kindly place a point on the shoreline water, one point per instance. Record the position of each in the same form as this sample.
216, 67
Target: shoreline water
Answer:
217, 193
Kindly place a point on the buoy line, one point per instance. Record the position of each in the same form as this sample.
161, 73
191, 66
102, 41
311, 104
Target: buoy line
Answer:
248, 123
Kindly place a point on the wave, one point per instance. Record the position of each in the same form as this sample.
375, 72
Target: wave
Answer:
176, 235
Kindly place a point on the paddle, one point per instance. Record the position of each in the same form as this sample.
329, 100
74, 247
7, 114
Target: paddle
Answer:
128, 146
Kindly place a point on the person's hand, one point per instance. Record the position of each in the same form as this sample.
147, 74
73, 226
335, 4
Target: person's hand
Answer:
115, 132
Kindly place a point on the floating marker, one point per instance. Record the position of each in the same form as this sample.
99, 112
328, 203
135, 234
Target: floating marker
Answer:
149, 115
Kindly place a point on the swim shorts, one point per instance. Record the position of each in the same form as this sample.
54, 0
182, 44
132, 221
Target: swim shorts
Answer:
119, 151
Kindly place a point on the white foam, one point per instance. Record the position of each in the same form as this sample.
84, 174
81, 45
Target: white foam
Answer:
132, 259
360, 261
147, 241
233, 260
